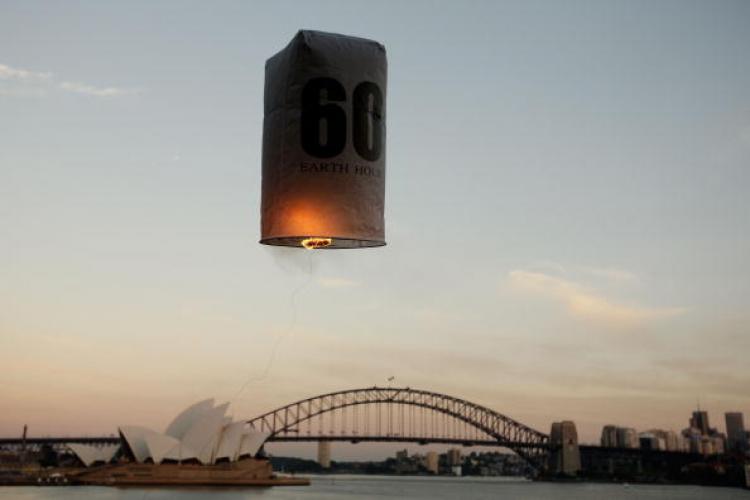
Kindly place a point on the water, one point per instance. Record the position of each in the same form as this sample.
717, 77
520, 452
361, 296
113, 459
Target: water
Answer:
379, 487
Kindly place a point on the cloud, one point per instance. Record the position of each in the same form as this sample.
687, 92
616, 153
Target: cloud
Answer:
620, 276
26, 83
548, 265
582, 302
330, 282
82, 88
611, 274
9, 73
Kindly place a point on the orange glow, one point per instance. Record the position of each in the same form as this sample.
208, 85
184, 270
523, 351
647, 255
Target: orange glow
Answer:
313, 243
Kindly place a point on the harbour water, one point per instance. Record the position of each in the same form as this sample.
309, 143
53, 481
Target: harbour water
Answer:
340, 487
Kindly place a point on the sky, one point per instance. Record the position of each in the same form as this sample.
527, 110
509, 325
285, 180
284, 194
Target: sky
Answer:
567, 214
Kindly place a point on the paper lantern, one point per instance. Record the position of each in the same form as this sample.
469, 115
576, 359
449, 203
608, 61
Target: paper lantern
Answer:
324, 143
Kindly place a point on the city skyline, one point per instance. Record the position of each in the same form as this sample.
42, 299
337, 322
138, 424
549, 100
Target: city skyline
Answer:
698, 438
566, 215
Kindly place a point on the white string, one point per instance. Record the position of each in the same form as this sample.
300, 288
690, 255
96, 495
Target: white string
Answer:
277, 342
282, 335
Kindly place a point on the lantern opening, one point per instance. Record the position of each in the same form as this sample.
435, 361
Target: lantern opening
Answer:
336, 242
314, 242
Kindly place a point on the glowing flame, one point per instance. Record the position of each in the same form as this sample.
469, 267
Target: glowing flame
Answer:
313, 243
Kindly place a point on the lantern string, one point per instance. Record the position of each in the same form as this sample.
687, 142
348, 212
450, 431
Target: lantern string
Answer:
279, 338
281, 335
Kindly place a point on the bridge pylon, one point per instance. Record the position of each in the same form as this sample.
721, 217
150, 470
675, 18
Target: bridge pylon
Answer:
324, 453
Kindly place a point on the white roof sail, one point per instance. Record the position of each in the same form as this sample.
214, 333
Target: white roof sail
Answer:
251, 443
135, 436
182, 422
107, 452
85, 453
201, 432
159, 445
180, 452
203, 435
229, 444
208, 452
90, 455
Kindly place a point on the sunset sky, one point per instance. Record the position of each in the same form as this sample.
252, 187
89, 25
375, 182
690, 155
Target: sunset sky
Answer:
567, 214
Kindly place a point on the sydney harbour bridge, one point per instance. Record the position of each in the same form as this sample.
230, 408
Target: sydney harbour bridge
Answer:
379, 414
383, 414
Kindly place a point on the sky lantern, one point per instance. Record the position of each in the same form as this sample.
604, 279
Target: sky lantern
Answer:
324, 143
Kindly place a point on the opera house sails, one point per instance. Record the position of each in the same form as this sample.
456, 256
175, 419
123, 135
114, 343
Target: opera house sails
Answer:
201, 446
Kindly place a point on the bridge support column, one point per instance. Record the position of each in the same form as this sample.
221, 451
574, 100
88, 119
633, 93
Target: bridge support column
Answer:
565, 457
324, 454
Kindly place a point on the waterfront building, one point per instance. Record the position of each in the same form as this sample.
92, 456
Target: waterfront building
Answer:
201, 446
706, 445
609, 436
454, 457
718, 443
650, 441
432, 462
627, 437
201, 434
672, 440
619, 437
667, 440
683, 443
694, 439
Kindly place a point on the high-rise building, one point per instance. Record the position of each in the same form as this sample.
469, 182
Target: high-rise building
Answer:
673, 441
453, 458
699, 420
694, 440
702, 437
736, 434
705, 444
718, 443
609, 436
667, 440
648, 441
324, 454
627, 438
619, 437
683, 443
565, 458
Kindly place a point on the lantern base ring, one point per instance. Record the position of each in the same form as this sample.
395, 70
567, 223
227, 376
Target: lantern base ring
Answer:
335, 242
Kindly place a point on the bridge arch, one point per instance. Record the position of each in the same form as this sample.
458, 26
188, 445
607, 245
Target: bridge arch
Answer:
496, 429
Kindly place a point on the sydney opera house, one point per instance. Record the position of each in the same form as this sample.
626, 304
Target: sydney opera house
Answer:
200, 446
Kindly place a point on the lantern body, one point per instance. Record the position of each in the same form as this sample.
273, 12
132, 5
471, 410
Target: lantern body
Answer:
324, 143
